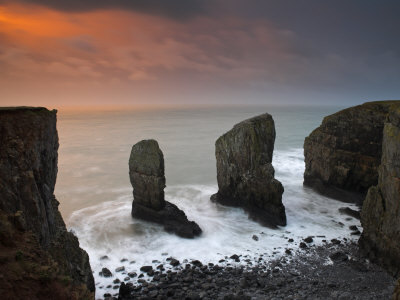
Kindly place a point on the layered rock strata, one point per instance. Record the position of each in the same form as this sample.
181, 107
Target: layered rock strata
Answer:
32, 229
343, 154
245, 174
146, 173
380, 215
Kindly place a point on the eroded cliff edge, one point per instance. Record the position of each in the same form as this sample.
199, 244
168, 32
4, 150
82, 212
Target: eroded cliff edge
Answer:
343, 154
380, 215
39, 258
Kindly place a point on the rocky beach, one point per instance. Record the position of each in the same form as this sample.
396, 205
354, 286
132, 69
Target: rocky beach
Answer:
332, 271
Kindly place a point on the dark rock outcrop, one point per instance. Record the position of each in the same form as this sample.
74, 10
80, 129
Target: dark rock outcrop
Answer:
146, 172
380, 215
244, 171
343, 154
31, 223
396, 293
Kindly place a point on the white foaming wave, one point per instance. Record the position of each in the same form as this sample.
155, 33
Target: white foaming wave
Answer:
289, 166
108, 228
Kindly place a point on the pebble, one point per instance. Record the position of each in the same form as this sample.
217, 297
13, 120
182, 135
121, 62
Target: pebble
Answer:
105, 272
308, 240
120, 269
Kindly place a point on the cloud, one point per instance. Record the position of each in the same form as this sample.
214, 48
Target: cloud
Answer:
126, 50
82, 43
177, 9
140, 75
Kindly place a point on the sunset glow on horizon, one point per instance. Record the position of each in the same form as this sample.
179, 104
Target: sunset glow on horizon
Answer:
152, 55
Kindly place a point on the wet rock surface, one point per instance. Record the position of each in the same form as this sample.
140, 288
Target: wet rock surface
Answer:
332, 271
380, 215
146, 172
245, 174
343, 154
31, 226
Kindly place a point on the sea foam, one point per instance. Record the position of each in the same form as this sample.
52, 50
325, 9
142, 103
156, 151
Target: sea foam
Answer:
108, 228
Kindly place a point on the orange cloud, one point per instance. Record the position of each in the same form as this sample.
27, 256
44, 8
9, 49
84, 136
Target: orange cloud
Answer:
122, 50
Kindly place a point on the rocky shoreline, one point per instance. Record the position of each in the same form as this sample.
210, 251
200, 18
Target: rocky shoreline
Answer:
333, 270
36, 248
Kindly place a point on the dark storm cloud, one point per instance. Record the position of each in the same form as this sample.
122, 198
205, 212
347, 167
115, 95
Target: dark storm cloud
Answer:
365, 26
178, 9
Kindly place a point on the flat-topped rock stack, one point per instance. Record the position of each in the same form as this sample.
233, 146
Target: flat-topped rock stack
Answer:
147, 176
245, 174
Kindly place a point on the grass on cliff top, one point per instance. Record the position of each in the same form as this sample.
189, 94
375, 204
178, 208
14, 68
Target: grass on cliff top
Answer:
25, 109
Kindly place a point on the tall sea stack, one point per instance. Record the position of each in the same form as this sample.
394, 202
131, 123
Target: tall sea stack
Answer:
380, 215
244, 171
343, 154
146, 172
40, 259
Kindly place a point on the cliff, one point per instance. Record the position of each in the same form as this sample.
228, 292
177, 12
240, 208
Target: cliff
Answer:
380, 215
39, 258
245, 174
343, 154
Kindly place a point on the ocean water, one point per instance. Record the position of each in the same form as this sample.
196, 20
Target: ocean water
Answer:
95, 193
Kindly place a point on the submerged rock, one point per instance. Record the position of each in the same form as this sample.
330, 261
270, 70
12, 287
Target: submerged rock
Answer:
350, 212
146, 172
50, 262
244, 171
343, 154
380, 215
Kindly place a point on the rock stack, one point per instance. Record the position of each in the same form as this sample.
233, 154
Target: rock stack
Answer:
245, 174
146, 173
343, 154
380, 215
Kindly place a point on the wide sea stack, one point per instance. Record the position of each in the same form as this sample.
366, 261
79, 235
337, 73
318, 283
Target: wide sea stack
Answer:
343, 154
380, 215
146, 173
245, 174
39, 258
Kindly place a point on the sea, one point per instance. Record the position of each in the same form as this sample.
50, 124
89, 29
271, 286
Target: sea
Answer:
95, 193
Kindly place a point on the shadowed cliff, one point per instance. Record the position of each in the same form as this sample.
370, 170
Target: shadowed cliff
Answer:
39, 258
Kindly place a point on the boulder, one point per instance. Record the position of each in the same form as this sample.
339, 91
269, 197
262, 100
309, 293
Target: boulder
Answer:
146, 172
380, 215
343, 154
244, 171
30, 222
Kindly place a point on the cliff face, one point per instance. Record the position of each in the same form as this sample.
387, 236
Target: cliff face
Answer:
29, 210
343, 154
244, 171
380, 215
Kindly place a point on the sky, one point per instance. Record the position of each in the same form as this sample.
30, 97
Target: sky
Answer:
194, 52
